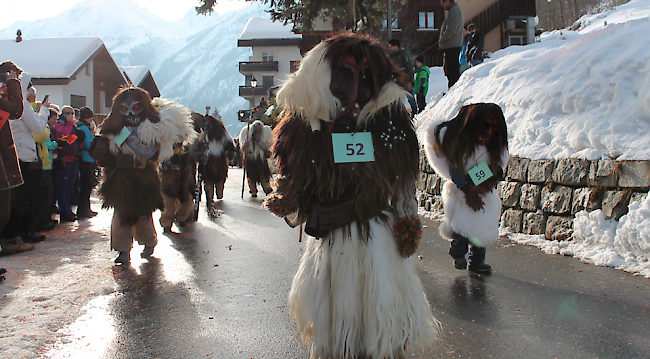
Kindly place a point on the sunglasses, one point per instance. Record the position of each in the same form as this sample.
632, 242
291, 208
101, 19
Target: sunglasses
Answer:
68, 113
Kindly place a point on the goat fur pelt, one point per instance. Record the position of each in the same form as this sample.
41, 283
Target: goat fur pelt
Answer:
355, 295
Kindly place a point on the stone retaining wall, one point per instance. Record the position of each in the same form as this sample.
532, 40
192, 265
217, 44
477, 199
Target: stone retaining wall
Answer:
543, 196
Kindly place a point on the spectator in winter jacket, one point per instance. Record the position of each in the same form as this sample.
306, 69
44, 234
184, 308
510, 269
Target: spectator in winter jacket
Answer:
462, 60
66, 130
402, 58
474, 52
451, 39
421, 88
11, 105
87, 165
24, 204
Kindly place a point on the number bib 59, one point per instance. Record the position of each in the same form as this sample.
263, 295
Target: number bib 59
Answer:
353, 147
480, 173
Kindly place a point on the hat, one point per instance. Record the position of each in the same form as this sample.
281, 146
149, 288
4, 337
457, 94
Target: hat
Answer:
421, 59
85, 112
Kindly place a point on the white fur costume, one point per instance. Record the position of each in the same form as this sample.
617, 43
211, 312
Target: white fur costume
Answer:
480, 227
354, 295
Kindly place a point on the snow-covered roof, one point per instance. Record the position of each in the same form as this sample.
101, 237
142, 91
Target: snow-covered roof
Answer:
135, 73
259, 28
50, 57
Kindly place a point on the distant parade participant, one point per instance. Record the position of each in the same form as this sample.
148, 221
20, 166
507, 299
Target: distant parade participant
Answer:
255, 140
213, 146
178, 186
136, 135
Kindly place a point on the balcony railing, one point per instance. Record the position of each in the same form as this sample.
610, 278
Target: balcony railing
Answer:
245, 67
247, 91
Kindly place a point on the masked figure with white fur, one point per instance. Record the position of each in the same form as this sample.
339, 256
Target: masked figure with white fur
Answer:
470, 151
356, 293
136, 135
212, 148
256, 140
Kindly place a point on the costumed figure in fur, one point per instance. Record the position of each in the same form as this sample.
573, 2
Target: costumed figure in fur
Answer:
356, 293
136, 135
470, 151
256, 140
178, 185
212, 148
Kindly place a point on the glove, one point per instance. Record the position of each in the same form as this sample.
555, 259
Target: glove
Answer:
62, 143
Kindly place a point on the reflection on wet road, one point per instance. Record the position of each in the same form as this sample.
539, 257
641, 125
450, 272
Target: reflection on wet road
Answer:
219, 289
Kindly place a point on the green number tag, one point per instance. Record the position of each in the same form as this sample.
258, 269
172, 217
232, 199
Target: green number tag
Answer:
480, 173
355, 147
121, 137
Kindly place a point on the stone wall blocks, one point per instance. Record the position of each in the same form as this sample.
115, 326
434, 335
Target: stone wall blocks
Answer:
604, 173
534, 223
531, 195
513, 218
558, 228
517, 169
540, 171
509, 192
571, 172
587, 199
635, 174
556, 199
615, 203
638, 197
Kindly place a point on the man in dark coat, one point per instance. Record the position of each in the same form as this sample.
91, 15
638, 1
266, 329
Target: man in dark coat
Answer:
11, 107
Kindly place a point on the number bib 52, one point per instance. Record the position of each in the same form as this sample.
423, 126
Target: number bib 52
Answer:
353, 147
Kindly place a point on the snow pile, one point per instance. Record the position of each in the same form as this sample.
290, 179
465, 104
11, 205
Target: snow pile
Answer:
575, 94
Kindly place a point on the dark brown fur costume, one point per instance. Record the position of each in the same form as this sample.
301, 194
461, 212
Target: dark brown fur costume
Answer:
216, 168
131, 184
305, 157
177, 177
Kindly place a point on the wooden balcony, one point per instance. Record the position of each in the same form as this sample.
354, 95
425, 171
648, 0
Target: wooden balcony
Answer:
257, 66
247, 91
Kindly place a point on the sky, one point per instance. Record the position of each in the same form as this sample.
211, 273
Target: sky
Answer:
575, 94
165, 9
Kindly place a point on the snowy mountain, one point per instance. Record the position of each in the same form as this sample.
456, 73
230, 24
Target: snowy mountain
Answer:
193, 60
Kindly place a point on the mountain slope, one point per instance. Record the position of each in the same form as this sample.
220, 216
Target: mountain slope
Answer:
193, 60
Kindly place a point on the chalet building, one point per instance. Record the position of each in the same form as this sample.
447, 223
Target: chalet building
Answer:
140, 76
503, 22
275, 56
75, 71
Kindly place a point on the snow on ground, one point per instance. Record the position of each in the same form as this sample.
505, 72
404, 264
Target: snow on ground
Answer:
574, 94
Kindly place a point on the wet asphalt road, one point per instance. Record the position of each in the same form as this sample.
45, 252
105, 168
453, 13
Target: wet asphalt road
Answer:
218, 289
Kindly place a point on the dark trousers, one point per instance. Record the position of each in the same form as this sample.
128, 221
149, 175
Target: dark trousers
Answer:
24, 201
87, 182
459, 248
64, 186
422, 103
5, 206
44, 209
451, 65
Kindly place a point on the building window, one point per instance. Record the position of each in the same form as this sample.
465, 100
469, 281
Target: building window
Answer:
293, 66
267, 56
77, 101
426, 20
267, 81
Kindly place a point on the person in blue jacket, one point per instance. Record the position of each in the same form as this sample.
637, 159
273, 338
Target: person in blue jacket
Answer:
87, 167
